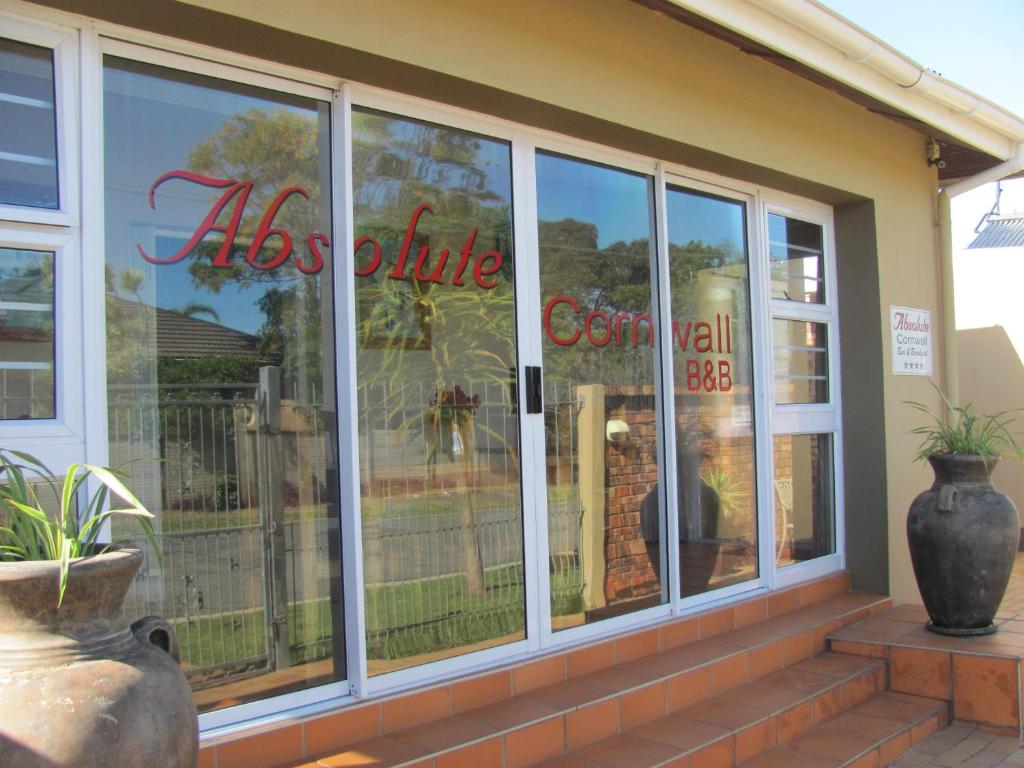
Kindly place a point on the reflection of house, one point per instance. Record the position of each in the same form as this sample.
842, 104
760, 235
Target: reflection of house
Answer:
180, 336
808, 134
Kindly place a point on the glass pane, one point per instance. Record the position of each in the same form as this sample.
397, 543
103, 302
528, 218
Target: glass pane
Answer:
801, 361
28, 141
804, 493
711, 354
438, 428
797, 260
220, 364
605, 512
26, 335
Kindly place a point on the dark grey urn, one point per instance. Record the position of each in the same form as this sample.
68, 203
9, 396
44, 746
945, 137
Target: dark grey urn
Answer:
963, 537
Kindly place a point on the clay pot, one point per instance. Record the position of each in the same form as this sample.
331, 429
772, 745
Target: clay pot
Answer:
963, 537
78, 686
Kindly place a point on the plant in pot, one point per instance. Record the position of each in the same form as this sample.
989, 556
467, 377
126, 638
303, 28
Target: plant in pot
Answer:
963, 533
78, 685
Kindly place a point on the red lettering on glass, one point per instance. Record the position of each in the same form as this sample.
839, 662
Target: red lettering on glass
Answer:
485, 265
724, 376
692, 375
265, 231
238, 191
702, 341
552, 303
479, 271
589, 324
637, 320
683, 340
370, 268
318, 258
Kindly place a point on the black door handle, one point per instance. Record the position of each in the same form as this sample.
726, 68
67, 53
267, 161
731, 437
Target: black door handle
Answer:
534, 390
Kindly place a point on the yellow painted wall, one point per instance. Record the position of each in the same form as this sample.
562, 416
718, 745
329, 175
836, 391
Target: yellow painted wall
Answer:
623, 63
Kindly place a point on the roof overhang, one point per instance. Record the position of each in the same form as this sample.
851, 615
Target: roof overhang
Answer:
814, 42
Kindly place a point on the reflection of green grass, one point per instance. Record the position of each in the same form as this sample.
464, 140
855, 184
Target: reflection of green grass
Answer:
402, 620
185, 521
210, 641
430, 614
434, 503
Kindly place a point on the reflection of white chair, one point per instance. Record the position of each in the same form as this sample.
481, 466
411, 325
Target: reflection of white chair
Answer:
784, 491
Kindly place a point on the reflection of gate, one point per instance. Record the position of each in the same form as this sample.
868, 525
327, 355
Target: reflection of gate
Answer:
241, 528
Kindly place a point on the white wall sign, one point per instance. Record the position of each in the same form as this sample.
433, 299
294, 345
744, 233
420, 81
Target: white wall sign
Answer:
911, 341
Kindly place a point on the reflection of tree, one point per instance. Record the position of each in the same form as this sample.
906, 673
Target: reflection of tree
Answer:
274, 150
419, 337
613, 279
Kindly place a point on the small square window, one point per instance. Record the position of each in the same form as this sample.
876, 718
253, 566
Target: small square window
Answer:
28, 142
26, 335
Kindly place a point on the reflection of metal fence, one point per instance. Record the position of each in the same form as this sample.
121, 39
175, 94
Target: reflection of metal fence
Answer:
242, 606
215, 525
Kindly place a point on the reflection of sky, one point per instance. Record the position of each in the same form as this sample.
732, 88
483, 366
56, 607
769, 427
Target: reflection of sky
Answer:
709, 220
152, 125
236, 305
617, 202
491, 158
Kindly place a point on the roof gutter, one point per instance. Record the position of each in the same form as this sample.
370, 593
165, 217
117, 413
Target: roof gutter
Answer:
814, 35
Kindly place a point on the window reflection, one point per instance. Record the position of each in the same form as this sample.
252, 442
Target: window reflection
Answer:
220, 372
26, 334
800, 361
797, 259
804, 498
711, 352
28, 142
605, 513
438, 431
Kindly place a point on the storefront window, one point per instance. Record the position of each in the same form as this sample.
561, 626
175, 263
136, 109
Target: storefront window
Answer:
804, 491
220, 371
711, 353
605, 507
26, 335
442, 522
28, 141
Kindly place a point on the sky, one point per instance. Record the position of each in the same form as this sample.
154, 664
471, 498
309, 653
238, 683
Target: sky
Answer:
978, 44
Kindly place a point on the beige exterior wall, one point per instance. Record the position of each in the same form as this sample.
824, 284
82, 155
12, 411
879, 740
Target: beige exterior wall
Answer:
623, 63
990, 336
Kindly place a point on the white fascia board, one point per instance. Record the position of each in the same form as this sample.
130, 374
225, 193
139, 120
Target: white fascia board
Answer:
813, 35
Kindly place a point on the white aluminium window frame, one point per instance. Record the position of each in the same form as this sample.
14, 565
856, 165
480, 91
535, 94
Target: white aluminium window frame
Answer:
806, 418
60, 440
63, 41
98, 38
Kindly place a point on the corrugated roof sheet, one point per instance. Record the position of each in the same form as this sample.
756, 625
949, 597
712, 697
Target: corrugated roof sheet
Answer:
1001, 233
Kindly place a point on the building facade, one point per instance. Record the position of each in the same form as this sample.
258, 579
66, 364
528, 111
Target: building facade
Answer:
444, 338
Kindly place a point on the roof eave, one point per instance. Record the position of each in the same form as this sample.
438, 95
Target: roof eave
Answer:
810, 33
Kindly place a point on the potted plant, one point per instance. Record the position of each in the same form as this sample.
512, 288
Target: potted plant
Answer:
963, 533
78, 685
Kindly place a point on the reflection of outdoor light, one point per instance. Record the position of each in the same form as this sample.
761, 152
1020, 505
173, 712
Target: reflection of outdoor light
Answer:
617, 431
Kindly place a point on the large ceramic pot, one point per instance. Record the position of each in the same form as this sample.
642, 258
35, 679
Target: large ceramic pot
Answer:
78, 686
963, 537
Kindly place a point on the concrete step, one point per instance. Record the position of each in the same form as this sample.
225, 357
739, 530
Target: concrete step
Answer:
612, 688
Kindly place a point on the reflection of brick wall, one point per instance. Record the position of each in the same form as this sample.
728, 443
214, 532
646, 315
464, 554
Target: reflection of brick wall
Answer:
631, 473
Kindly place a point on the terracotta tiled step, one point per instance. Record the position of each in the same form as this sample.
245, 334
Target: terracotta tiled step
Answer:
977, 675
871, 735
573, 715
739, 723
531, 711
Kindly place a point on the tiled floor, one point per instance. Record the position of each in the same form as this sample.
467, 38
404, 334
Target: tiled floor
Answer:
965, 746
